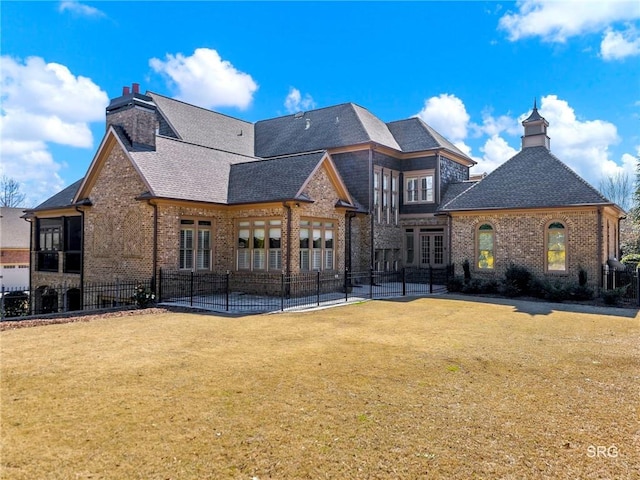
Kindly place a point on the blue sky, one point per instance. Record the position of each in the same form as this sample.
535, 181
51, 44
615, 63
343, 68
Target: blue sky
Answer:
470, 69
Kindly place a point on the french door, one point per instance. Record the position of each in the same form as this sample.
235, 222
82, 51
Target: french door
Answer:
431, 249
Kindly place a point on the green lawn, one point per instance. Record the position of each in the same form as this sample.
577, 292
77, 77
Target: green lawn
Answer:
425, 388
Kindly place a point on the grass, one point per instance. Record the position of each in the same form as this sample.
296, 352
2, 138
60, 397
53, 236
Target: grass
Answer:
428, 388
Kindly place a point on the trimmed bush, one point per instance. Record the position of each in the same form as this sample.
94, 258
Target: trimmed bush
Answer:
455, 284
516, 281
613, 296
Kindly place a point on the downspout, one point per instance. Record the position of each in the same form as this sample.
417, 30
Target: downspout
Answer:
371, 215
599, 245
154, 260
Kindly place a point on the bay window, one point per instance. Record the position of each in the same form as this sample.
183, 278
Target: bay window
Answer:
317, 245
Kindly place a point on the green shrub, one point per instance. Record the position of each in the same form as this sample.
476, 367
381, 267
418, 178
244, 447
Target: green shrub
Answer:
455, 284
467, 271
490, 286
472, 286
516, 280
16, 304
613, 296
143, 297
582, 277
582, 292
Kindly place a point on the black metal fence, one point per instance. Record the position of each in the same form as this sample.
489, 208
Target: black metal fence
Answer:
239, 291
50, 299
623, 282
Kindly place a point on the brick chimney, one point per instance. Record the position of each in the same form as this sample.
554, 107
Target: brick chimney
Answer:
136, 114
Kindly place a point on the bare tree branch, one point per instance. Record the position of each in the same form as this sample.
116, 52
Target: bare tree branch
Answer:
619, 189
10, 194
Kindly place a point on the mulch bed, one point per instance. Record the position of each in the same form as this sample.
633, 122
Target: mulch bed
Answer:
79, 317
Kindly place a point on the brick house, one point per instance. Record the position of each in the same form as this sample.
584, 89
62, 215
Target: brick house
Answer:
176, 187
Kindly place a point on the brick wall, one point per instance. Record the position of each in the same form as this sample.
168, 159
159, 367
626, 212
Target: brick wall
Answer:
520, 238
118, 228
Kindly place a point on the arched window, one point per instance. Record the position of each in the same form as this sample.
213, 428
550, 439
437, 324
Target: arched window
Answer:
486, 246
556, 246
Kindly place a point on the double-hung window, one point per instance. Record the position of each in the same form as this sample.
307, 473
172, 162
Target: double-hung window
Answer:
259, 245
419, 188
317, 245
195, 244
385, 196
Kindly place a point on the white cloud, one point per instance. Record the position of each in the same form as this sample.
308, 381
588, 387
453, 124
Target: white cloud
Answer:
78, 8
495, 151
206, 80
581, 144
447, 115
618, 45
43, 103
556, 21
295, 102
496, 125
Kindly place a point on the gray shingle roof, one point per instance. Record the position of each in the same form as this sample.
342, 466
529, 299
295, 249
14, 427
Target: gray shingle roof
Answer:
205, 127
321, 129
271, 180
61, 199
14, 231
454, 189
532, 178
414, 135
184, 171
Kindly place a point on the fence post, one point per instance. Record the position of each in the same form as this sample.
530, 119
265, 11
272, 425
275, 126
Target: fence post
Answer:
371, 283
404, 282
346, 284
430, 279
318, 288
282, 292
226, 290
2, 304
117, 302
638, 286
191, 288
159, 286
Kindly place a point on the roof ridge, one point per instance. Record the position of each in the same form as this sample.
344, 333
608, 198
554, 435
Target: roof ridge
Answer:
307, 111
149, 93
179, 140
472, 183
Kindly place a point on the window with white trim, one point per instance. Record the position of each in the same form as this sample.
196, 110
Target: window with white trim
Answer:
259, 245
419, 187
317, 247
195, 244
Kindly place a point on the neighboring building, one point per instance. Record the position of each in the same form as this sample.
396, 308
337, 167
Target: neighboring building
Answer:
177, 187
14, 249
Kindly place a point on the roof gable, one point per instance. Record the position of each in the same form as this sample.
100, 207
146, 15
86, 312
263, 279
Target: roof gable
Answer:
533, 178
414, 135
322, 129
247, 180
